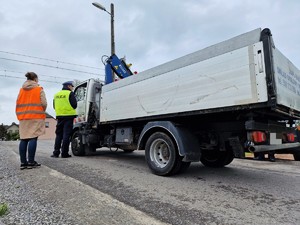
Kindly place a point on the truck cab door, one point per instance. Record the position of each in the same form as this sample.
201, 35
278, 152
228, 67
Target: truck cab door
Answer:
88, 100
81, 97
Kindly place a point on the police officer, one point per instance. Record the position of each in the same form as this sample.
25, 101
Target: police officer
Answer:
64, 104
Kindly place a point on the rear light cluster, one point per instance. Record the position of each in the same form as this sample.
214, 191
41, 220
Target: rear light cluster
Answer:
289, 137
260, 137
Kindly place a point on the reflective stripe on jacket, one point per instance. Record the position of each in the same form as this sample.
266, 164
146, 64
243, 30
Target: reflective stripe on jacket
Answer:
62, 104
29, 105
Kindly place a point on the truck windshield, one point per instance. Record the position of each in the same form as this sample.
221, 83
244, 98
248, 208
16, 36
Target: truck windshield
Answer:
80, 92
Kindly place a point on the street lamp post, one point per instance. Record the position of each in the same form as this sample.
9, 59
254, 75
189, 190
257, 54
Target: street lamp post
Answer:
112, 30
111, 13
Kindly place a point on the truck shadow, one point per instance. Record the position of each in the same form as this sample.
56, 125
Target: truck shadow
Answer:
254, 173
120, 155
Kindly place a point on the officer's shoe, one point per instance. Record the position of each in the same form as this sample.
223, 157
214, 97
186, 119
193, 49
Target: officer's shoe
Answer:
272, 159
54, 156
66, 156
260, 157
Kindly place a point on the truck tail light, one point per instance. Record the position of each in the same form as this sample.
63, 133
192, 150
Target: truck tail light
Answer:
290, 137
258, 136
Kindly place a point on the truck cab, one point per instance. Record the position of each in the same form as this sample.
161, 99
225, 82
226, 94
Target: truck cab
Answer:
88, 95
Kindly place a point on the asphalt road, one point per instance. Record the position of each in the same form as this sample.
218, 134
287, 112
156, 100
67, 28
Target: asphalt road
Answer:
244, 192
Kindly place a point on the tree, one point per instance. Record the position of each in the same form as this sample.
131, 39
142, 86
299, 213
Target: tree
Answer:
3, 132
12, 136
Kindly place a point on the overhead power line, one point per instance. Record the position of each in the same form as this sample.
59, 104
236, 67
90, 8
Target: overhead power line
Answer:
40, 75
3, 75
51, 60
55, 67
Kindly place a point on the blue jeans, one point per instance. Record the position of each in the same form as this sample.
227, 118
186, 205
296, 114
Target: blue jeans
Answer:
31, 144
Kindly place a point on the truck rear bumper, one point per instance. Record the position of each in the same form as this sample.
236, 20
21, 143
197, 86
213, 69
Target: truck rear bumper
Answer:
265, 148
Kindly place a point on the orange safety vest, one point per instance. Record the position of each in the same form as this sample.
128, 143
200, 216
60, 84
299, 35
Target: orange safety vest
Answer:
29, 105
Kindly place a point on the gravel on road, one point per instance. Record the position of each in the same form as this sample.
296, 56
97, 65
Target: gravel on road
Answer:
45, 196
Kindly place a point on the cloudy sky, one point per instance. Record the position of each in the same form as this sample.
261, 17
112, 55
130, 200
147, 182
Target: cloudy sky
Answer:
64, 40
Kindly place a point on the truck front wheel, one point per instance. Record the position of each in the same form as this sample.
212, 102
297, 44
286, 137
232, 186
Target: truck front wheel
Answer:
162, 155
77, 147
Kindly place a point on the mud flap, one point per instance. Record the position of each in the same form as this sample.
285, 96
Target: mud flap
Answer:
237, 148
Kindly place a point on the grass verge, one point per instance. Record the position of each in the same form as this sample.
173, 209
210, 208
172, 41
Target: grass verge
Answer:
3, 209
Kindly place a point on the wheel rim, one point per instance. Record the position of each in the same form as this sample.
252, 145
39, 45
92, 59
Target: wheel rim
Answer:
160, 153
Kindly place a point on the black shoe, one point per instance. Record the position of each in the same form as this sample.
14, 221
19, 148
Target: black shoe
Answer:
272, 159
259, 158
34, 164
23, 166
66, 156
54, 156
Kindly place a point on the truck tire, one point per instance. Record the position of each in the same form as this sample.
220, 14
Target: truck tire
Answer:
162, 155
78, 149
229, 158
216, 158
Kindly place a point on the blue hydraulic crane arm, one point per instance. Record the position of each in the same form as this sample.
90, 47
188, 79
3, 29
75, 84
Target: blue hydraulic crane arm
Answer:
118, 66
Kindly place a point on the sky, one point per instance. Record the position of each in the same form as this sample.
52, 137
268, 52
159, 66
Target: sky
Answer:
64, 40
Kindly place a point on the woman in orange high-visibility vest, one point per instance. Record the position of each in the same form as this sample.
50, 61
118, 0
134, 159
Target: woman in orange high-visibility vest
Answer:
30, 110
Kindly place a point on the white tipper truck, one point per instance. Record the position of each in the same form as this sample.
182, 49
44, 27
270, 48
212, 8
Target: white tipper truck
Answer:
214, 105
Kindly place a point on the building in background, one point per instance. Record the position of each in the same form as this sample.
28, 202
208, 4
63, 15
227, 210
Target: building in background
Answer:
9, 132
12, 129
50, 125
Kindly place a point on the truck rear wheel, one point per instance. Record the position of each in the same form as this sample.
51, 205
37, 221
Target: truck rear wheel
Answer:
77, 147
162, 155
216, 158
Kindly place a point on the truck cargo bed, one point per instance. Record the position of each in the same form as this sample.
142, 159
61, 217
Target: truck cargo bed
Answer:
229, 74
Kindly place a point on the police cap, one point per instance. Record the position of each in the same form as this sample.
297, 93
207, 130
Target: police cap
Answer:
68, 83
